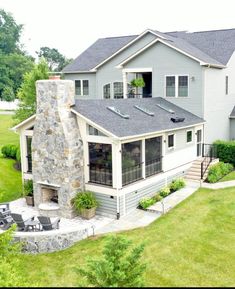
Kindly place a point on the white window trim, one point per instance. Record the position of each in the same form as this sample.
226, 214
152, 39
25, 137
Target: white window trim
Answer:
110, 83
176, 85
170, 148
81, 81
189, 142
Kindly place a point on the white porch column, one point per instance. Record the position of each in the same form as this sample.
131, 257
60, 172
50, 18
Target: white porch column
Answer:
143, 158
117, 165
124, 76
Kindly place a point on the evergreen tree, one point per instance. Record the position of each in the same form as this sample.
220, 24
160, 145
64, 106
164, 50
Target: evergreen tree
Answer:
118, 267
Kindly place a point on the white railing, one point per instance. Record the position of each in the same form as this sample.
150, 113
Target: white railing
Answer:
6, 105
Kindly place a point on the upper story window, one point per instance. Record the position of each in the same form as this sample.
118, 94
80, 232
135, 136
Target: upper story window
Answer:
177, 86
82, 87
118, 90
189, 136
107, 91
226, 84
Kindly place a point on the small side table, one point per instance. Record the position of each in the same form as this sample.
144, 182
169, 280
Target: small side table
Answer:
33, 226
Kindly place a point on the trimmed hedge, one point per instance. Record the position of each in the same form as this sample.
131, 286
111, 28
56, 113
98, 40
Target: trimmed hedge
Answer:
10, 151
218, 171
226, 151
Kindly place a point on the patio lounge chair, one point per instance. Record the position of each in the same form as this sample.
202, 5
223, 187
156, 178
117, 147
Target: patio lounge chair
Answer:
5, 220
22, 225
47, 224
5, 208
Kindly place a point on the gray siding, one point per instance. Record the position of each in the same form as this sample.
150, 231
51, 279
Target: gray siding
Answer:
107, 205
84, 76
108, 73
232, 129
167, 61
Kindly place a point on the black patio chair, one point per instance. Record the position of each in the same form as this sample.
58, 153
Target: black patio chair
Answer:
47, 224
22, 224
5, 221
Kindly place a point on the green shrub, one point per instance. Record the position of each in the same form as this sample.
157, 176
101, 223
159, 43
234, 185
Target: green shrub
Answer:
28, 188
146, 202
164, 192
138, 82
217, 171
157, 198
84, 200
226, 151
18, 154
10, 151
177, 185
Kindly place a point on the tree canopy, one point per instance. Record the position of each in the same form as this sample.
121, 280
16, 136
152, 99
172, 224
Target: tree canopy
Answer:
56, 61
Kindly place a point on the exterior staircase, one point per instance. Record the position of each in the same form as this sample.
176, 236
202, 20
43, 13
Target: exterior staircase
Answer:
194, 173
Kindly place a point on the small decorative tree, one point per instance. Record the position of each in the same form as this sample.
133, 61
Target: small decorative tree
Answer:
118, 267
137, 82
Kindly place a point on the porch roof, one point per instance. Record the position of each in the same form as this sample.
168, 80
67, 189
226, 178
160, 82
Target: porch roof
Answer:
139, 122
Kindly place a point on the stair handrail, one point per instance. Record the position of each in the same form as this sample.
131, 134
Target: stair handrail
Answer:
209, 152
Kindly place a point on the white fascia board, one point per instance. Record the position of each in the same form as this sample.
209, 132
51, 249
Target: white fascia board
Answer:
87, 120
159, 132
120, 65
124, 47
15, 128
77, 72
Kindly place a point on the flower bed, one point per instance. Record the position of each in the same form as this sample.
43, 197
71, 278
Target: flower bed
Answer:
174, 186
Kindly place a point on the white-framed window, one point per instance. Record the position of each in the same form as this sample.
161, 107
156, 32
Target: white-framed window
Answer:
118, 90
176, 86
94, 131
226, 84
81, 87
171, 141
189, 136
107, 90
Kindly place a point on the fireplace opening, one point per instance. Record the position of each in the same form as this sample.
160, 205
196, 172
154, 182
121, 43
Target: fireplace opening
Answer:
49, 195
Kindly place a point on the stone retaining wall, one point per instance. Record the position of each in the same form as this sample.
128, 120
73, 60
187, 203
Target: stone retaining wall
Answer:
51, 241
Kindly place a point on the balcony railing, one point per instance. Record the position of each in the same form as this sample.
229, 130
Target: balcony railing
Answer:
139, 95
100, 174
29, 158
153, 167
131, 174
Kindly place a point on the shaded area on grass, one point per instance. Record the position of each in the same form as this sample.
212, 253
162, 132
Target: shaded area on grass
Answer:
192, 245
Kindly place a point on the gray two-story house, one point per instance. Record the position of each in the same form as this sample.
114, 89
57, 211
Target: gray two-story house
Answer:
192, 70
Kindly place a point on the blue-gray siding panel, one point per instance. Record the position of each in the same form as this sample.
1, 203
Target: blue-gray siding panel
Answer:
107, 205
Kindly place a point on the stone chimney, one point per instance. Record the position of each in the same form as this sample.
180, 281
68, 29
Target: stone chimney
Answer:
57, 149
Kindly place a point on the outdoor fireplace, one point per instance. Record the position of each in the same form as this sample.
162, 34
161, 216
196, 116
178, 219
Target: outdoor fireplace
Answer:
49, 195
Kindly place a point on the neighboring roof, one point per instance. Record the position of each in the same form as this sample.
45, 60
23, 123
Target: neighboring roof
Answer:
138, 122
232, 115
213, 47
24, 122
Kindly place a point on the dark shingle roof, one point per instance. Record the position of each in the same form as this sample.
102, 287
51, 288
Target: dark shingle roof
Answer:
233, 113
138, 122
98, 52
213, 47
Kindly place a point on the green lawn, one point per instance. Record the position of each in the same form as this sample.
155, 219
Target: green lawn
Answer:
229, 177
10, 179
192, 245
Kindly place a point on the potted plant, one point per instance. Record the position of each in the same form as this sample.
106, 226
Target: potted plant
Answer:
137, 82
85, 204
28, 192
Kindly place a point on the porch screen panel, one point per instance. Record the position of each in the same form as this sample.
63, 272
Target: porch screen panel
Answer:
153, 156
100, 163
131, 162
29, 153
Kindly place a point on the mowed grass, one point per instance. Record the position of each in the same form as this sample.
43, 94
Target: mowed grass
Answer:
10, 179
192, 245
229, 177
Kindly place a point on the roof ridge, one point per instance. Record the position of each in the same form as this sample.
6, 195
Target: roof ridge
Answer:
111, 37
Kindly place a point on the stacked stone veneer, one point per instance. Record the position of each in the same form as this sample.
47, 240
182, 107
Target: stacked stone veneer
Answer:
57, 149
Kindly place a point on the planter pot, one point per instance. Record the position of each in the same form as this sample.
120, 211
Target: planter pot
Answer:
87, 213
29, 200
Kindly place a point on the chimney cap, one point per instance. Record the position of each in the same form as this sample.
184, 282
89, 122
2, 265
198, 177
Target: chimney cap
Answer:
54, 77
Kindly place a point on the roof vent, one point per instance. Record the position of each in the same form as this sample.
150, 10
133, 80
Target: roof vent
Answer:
145, 110
165, 108
118, 112
177, 119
